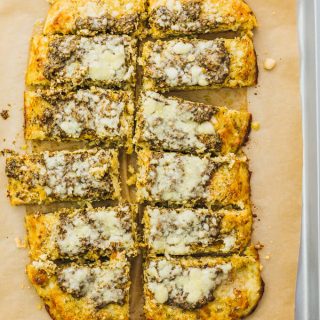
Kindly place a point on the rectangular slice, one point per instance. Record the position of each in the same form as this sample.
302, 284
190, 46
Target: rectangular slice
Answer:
173, 178
86, 114
187, 64
76, 291
207, 288
90, 17
174, 124
185, 231
63, 176
89, 233
106, 60
188, 17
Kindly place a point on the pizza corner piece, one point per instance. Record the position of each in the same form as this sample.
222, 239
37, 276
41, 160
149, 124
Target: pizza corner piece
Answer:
86, 233
188, 64
175, 124
186, 231
190, 17
91, 17
63, 176
71, 61
81, 291
206, 288
92, 114
169, 178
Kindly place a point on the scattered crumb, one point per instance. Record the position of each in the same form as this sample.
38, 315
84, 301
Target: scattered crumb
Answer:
5, 152
5, 114
24, 147
132, 180
21, 244
254, 215
259, 245
39, 306
267, 257
269, 64
131, 169
261, 267
255, 125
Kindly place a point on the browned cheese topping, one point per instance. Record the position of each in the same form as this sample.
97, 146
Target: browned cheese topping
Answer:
182, 62
178, 178
184, 287
174, 125
104, 58
174, 231
66, 174
93, 112
94, 229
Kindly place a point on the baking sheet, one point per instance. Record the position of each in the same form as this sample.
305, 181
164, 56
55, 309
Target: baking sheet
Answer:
275, 153
307, 295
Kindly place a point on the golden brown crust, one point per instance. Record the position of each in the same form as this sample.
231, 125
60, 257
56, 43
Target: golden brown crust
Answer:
90, 17
188, 17
63, 306
234, 66
47, 177
234, 299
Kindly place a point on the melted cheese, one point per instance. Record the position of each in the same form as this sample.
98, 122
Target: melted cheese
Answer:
179, 177
69, 174
96, 229
172, 124
182, 285
99, 285
174, 231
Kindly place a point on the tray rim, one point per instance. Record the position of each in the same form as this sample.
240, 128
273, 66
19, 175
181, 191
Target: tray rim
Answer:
307, 293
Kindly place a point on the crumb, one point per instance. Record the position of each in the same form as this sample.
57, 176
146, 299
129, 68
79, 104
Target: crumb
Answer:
261, 267
21, 244
269, 64
5, 114
259, 246
5, 152
22, 286
131, 169
255, 125
39, 306
267, 257
24, 147
254, 215
132, 180
256, 93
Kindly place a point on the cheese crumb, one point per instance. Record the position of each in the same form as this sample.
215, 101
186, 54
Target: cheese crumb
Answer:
255, 125
21, 244
269, 64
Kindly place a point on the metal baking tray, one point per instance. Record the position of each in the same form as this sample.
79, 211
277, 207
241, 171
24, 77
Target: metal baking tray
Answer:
307, 294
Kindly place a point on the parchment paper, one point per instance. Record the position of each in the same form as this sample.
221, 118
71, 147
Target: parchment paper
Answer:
275, 153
